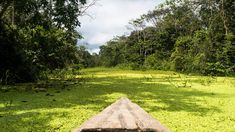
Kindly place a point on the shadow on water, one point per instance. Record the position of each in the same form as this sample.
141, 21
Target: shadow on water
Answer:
96, 93
173, 99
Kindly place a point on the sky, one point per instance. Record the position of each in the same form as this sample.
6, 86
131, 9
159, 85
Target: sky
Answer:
110, 18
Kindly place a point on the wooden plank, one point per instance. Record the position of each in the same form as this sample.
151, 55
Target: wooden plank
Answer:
122, 116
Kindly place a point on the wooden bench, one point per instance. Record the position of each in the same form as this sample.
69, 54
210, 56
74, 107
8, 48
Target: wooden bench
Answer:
122, 116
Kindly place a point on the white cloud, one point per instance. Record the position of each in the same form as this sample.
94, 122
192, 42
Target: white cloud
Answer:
99, 38
97, 50
110, 18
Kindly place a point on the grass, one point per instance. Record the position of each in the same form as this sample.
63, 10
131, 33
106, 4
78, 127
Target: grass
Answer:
180, 102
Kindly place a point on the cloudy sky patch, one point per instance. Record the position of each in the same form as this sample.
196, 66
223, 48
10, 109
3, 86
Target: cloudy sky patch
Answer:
109, 18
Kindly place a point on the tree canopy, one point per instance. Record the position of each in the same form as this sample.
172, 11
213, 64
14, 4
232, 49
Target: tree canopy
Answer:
186, 35
37, 35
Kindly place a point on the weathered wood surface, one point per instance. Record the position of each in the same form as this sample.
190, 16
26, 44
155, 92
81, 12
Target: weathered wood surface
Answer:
122, 116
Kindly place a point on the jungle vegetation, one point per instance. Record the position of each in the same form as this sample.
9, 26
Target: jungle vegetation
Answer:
191, 36
46, 83
38, 36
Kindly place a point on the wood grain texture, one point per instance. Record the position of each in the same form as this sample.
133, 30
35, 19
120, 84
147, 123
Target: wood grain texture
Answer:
122, 116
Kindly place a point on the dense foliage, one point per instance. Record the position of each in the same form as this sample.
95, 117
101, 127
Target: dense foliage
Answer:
37, 35
85, 59
186, 35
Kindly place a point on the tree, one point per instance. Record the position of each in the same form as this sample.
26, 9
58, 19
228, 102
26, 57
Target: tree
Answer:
187, 36
37, 35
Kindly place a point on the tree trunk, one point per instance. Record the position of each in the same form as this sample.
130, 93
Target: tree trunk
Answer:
13, 13
223, 15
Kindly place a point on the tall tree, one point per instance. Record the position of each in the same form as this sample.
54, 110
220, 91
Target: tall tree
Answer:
41, 33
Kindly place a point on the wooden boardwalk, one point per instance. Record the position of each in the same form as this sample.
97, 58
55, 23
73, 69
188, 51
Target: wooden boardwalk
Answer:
122, 116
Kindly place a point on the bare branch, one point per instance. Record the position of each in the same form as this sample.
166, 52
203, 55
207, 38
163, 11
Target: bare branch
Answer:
86, 7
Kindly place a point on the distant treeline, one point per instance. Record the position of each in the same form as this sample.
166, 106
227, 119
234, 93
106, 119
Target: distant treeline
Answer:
194, 36
38, 36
